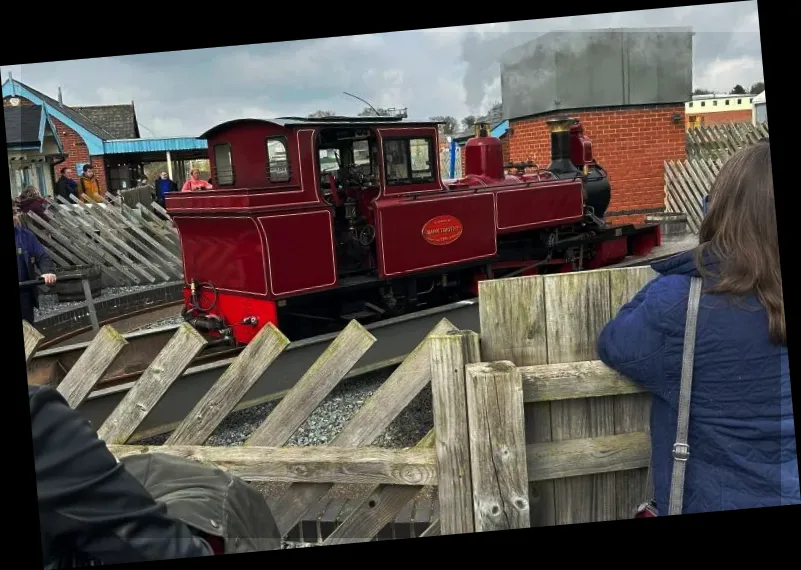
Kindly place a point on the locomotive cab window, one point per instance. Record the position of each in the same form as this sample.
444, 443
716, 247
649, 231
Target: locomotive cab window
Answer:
223, 164
409, 161
277, 159
349, 155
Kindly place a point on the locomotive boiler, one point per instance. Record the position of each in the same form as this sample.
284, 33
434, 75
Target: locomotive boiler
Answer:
314, 222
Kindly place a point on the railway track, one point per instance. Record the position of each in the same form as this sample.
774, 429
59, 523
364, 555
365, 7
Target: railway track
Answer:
51, 365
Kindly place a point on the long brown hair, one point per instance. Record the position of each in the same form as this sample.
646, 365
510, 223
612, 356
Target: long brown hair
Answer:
740, 231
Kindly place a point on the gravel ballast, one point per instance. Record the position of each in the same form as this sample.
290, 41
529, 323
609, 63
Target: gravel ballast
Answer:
329, 418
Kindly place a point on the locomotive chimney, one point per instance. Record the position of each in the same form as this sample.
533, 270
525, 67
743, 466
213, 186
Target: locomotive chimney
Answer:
484, 154
560, 145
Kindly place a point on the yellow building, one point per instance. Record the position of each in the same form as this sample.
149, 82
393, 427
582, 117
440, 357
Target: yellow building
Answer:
706, 110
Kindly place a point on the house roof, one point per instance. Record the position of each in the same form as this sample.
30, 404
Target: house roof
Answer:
22, 125
70, 112
118, 120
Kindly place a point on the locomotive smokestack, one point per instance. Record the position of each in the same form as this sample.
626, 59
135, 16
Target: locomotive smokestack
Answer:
560, 145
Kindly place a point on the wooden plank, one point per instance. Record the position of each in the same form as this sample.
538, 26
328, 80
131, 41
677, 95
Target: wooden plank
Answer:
680, 193
230, 388
434, 529
130, 234
573, 380
367, 424
108, 232
57, 240
84, 234
93, 363
407, 468
513, 327
162, 230
315, 385
156, 253
86, 224
380, 507
449, 355
632, 412
577, 308
587, 456
32, 339
109, 241
497, 447
142, 397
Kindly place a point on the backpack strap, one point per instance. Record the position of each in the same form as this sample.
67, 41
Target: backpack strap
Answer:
681, 451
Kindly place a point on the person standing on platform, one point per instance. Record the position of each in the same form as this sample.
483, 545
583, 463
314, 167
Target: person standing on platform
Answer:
66, 186
89, 186
164, 185
30, 255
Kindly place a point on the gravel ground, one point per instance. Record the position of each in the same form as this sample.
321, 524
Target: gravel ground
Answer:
48, 304
329, 418
170, 321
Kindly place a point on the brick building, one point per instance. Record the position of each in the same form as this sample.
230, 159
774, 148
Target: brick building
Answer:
631, 143
80, 133
105, 136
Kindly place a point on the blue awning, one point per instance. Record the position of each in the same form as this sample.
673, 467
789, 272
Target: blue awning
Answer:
140, 146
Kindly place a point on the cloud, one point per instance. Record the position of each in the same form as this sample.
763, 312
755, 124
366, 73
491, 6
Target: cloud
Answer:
439, 71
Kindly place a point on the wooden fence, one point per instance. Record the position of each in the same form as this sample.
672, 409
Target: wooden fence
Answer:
530, 428
721, 141
687, 182
130, 244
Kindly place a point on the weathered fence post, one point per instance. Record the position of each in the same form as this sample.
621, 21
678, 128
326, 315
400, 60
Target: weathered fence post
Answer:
497, 446
449, 355
33, 339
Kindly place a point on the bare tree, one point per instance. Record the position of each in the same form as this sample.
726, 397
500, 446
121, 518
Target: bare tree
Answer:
370, 112
321, 114
469, 121
702, 91
449, 124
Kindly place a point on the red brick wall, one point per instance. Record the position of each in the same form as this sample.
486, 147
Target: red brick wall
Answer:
73, 145
724, 117
630, 143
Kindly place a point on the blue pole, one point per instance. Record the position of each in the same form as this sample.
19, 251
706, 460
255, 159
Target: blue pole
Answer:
453, 159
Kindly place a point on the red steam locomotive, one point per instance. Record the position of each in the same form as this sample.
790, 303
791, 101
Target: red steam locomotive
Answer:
313, 222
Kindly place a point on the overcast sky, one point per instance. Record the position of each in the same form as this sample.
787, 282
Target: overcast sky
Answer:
445, 71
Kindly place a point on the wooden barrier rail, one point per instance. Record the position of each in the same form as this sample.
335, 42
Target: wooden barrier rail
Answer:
529, 428
131, 245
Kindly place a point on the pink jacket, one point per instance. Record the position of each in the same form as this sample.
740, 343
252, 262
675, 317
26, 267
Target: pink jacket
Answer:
191, 184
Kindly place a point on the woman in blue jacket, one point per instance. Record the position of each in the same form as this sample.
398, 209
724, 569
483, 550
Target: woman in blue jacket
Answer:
741, 430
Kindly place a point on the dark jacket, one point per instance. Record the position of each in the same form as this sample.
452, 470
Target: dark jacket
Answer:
162, 187
66, 186
741, 433
221, 507
91, 510
30, 255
